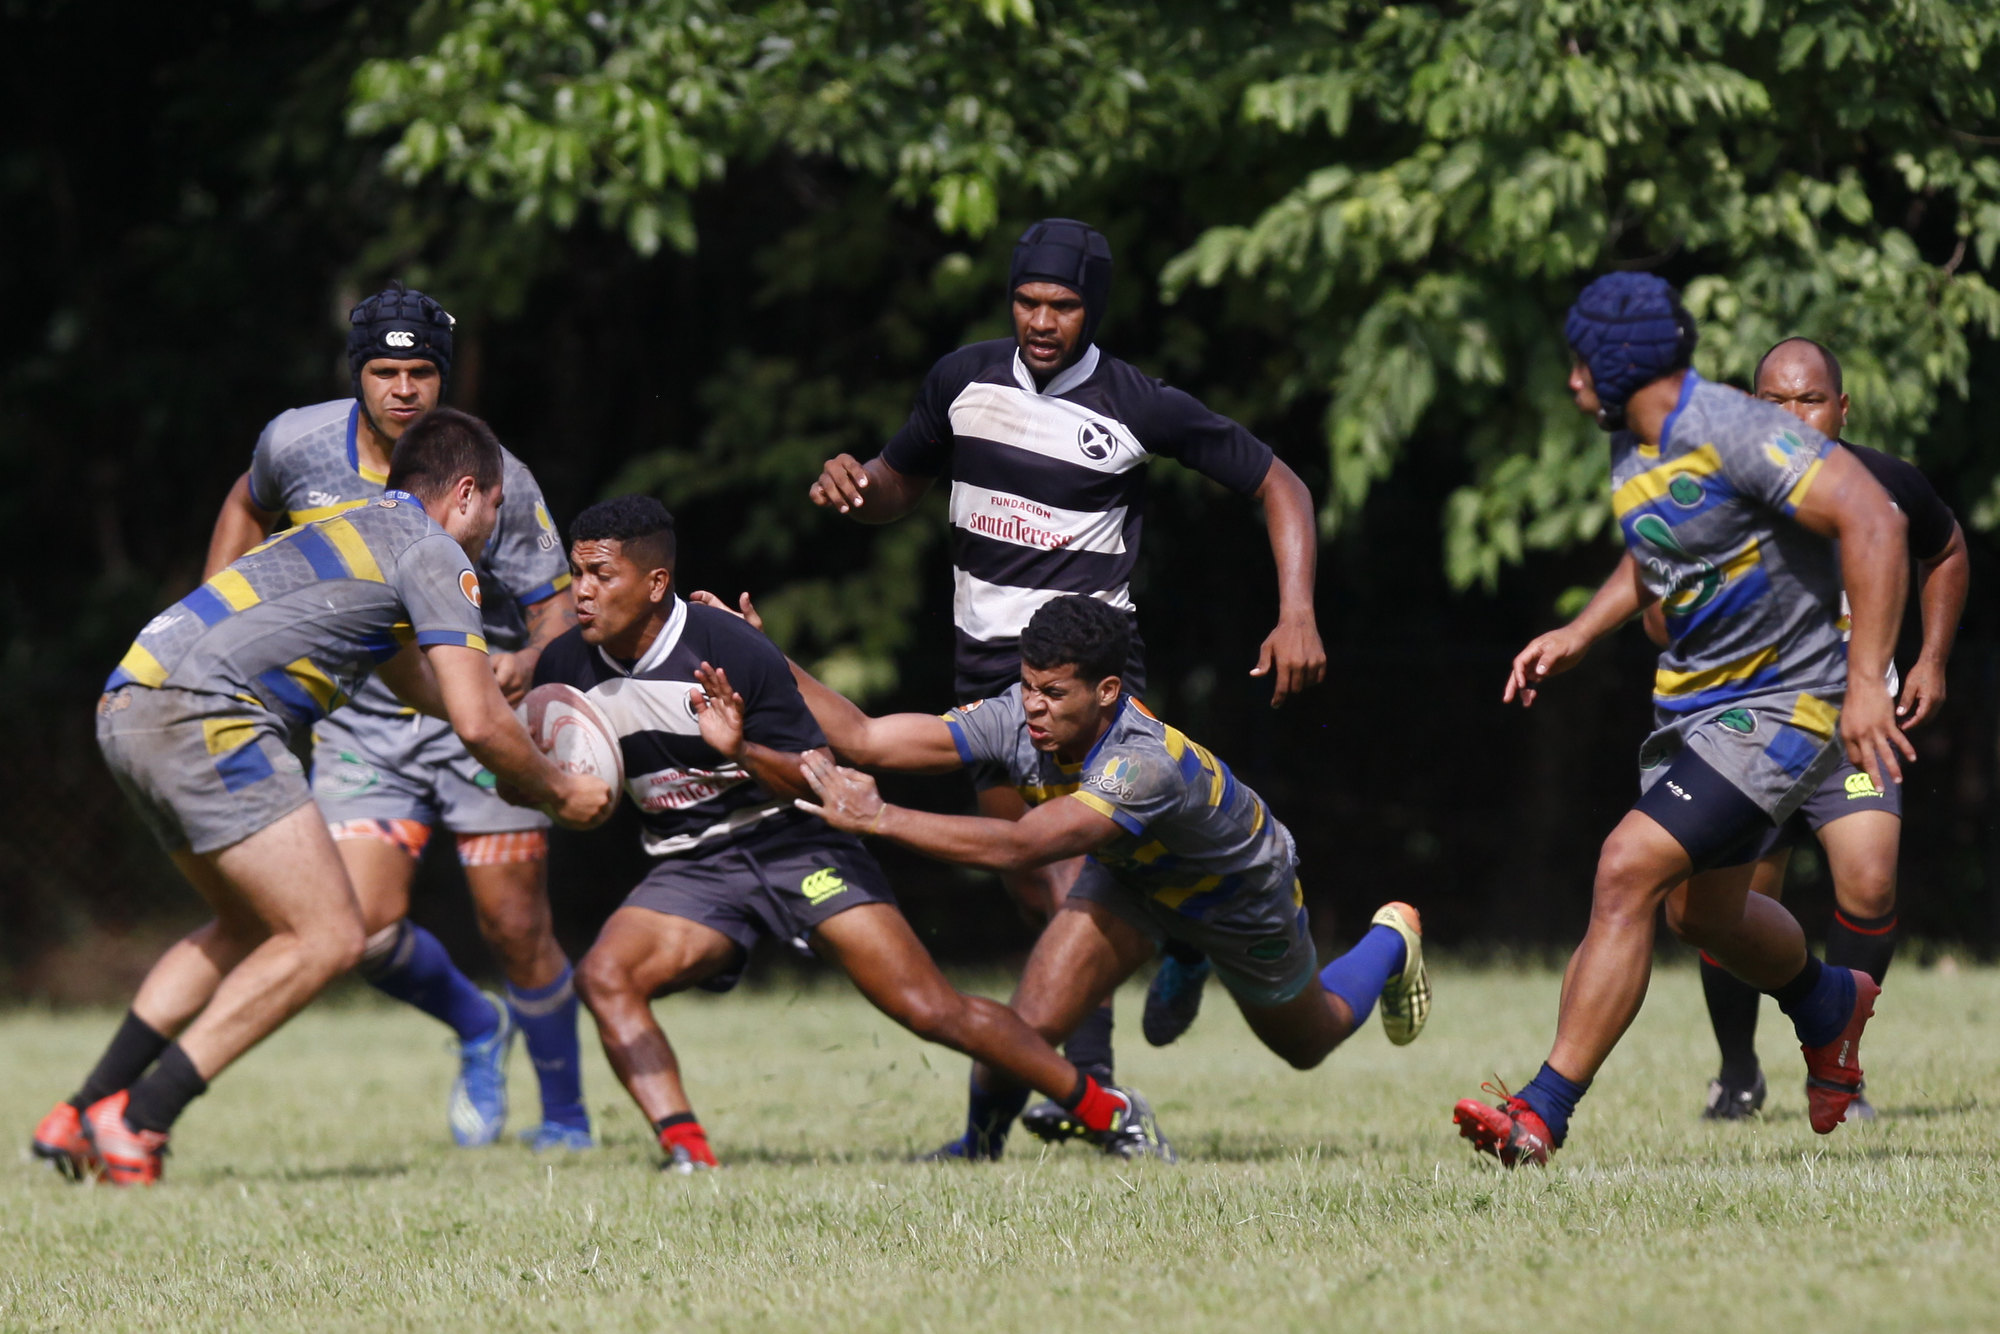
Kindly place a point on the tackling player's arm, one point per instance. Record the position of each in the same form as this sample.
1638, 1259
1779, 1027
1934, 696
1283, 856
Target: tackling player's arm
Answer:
1943, 582
1293, 648
918, 743
1051, 832
719, 709
1844, 503
239, 525
1621, 597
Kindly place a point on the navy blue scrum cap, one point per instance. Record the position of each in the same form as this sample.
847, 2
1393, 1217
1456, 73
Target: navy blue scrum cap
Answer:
398, 324
1630, 329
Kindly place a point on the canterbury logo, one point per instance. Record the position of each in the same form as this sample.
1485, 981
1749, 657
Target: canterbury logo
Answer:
822, 885
400, 338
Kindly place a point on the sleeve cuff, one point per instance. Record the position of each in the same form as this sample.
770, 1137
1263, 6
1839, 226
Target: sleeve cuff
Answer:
543, 592
958, 739
456, 638
1110, 812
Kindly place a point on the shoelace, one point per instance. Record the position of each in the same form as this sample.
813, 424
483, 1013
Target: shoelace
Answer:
1496, 1088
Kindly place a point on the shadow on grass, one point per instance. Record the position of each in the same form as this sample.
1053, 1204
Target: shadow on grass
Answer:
1914, 1111
344, 1172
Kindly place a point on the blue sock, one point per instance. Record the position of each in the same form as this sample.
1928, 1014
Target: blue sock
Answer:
415, 969
546, 1017
1554, 1098
1819, 1000
989, 1116
1359, 975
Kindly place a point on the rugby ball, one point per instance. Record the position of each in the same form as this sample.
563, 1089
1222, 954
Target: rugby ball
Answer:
574, 733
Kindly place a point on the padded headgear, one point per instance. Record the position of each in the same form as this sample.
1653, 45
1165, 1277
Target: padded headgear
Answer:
398, 324
1630, 329
1073, 254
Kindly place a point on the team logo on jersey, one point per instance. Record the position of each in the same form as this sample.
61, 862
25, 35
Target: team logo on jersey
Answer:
547, 540
1739, 720
344, 774
1693, 589
1096, 441
1115, 778
1861, 785
468, 584
399, 338
160, 622
1685, 490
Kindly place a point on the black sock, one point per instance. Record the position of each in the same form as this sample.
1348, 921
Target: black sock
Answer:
1800, 987
159, 1099
1089, 1048
136, 1045
677, 1119
1182, 952
1732, 1009
1867, 943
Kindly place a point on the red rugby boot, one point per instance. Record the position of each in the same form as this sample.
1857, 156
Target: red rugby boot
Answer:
60, 1142
130, 1157
1833, 1071
1513, 1132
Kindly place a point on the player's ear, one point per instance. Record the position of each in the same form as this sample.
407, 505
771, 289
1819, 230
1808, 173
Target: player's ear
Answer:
660, 585
1107, 690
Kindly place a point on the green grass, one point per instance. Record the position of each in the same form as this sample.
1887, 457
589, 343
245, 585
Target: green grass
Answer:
315, 1187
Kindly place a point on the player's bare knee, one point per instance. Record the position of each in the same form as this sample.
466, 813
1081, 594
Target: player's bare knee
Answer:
603, 982
932, 1015
1869, 896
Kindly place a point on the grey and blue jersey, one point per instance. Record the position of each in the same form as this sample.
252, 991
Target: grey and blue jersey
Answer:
297, 623
378, 758
1756, 669
1191, 835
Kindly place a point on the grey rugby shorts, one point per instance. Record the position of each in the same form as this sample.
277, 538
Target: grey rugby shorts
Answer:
1257, 937
203, 771
411, 767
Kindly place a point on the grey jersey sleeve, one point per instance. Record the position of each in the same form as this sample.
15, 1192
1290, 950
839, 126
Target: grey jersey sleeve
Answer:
1132, 786
988, 731
267, 485
525, 555
1774, 467
440, 593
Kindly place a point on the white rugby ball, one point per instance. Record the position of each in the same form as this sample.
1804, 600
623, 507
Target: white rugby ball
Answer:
576, 736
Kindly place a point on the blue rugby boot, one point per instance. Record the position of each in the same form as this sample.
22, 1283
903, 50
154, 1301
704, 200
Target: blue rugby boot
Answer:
478, 1108
555, 1135
1174, 999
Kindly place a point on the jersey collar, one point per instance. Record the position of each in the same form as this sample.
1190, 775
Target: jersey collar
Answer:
1688, 382
663, 643
1063, 382
1124, 702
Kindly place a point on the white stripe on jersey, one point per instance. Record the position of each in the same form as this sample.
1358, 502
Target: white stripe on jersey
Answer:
995, 611
1029, 523
1055, 428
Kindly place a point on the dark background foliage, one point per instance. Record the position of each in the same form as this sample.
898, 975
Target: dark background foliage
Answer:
187, 212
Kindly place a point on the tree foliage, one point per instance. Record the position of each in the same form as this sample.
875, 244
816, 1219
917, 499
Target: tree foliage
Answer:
1418, 188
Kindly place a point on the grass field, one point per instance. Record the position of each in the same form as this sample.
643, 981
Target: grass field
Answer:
315, 1188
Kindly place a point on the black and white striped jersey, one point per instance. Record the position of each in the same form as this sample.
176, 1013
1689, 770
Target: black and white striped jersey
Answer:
1046, 485
689, 798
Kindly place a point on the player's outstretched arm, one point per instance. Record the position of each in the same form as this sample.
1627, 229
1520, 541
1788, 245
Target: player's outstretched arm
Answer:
1943, 584
1052, 832
1845, 503
1618, 600
1292, 652
239, 525
719, 709
480, 715
918, 743
871, 492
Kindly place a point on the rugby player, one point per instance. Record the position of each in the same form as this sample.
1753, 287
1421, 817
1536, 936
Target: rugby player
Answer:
1747, 522
385, 776
1858, 824
1045, 437
713, 731
195, 724
1173, 847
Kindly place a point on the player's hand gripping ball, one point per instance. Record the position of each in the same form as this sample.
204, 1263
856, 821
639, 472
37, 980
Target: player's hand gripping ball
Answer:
576, 736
